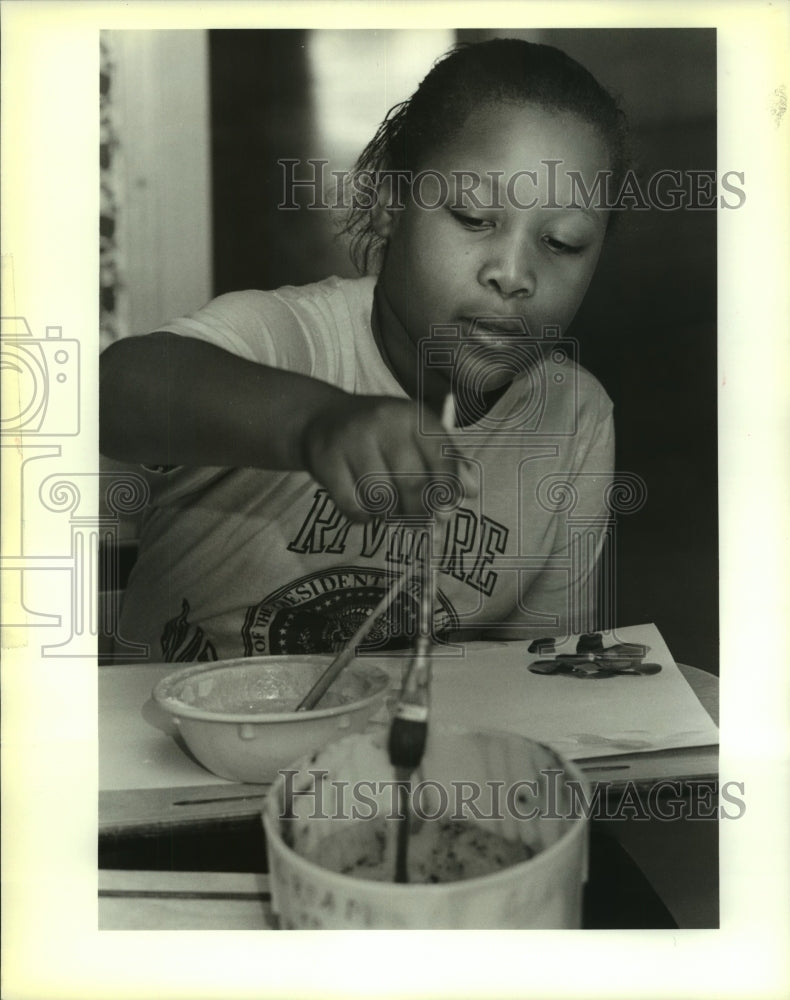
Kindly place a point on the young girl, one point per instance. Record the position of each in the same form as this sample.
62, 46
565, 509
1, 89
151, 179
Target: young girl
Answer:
294, 439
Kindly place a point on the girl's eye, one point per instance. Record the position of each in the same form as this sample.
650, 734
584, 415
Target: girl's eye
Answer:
471, 221
558, 246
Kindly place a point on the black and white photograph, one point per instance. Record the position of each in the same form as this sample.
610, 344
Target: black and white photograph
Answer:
389, 460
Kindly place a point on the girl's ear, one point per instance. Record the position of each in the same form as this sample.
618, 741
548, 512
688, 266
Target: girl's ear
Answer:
384, 215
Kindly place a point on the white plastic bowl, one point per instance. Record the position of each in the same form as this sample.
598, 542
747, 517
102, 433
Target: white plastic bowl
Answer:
235, 715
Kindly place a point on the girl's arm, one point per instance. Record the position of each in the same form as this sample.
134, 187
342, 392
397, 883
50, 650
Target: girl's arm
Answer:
172, 400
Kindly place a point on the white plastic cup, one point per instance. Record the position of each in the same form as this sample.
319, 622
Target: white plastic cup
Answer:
314, 798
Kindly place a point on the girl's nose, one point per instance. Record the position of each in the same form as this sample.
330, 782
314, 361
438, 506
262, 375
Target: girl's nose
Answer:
509, 271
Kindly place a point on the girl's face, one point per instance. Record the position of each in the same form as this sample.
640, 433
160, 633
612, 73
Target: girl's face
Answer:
482, 255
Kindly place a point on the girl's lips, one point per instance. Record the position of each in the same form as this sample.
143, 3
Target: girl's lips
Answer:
498, 325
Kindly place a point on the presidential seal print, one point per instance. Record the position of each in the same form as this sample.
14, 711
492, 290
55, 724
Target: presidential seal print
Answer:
322, 611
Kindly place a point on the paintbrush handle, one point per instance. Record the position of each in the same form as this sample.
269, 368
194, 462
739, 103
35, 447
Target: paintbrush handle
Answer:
347, 654
319, 689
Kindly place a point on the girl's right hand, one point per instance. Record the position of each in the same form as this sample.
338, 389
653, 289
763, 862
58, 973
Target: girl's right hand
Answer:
352, 442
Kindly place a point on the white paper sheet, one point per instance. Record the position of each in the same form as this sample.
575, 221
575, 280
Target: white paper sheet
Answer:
491, 687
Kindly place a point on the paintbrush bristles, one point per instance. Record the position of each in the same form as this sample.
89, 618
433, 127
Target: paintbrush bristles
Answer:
407, 740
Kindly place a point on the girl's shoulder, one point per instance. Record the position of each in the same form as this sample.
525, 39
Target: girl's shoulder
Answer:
328, 293
589, 388
571, 388
251, 320
332, 291
557, 395
335, 307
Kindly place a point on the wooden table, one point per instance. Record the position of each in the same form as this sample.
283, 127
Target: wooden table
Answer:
678, 858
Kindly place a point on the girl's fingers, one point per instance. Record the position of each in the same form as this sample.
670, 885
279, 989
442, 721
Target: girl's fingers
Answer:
467, 473
380, 464
342, 473
439, 486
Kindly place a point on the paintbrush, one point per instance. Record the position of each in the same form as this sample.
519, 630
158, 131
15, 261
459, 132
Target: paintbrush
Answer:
409, 729
349, 651
408, 733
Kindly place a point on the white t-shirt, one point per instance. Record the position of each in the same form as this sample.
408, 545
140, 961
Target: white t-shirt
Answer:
243, 562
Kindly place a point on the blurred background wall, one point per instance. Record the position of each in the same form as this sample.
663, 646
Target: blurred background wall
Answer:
217, 110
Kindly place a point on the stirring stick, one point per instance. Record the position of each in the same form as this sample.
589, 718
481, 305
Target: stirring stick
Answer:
347, 654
